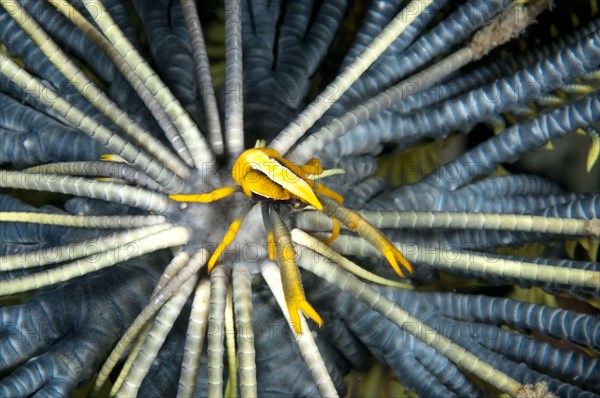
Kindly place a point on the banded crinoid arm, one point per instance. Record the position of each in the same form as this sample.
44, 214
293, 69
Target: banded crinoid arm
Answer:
152, 104
194, 340
493, 229
288, 136
65, 184
242, 303
88, 125
416, 46
205, 84
497, 31
17, 238
234, 79
460, 220
91, 92
397, 315
282, 61
497, 69
547, 125
216, 320
105, 170
158, 240
154, 340
21, 125
575, 276
199, 149
437, 120
59, 335
170, 286
431, 373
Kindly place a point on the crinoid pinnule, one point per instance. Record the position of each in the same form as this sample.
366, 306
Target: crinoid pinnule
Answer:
158, 231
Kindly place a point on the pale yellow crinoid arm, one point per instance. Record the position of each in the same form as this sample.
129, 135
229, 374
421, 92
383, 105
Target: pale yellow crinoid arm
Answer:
232, 231
290, 276
325, 174
371, 234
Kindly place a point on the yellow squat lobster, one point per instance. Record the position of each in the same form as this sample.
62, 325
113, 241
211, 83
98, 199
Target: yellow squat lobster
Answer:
264, 172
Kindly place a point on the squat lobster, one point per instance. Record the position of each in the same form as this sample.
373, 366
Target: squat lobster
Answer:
264, 172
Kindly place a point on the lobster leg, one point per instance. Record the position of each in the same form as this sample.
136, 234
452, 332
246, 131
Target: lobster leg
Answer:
232, 231
290, 276
212, 196
323, 190
371, 234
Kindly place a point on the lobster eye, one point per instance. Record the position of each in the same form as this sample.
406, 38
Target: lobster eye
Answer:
298, 204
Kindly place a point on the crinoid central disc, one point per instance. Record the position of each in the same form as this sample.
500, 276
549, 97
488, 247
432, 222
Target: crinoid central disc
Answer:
209, 222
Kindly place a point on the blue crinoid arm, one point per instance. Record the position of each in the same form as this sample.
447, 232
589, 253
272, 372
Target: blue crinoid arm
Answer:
282, 48
84, 49
280, 367
20, 45
413, 48
169, 44
480, 104
21, 237
475, 322
489, 72
55, 341
29, 137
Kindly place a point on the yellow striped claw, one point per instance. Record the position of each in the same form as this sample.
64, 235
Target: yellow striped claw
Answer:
271, 247
392, 254
271, 164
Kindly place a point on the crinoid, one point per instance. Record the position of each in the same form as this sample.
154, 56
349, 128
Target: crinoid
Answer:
112, 264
